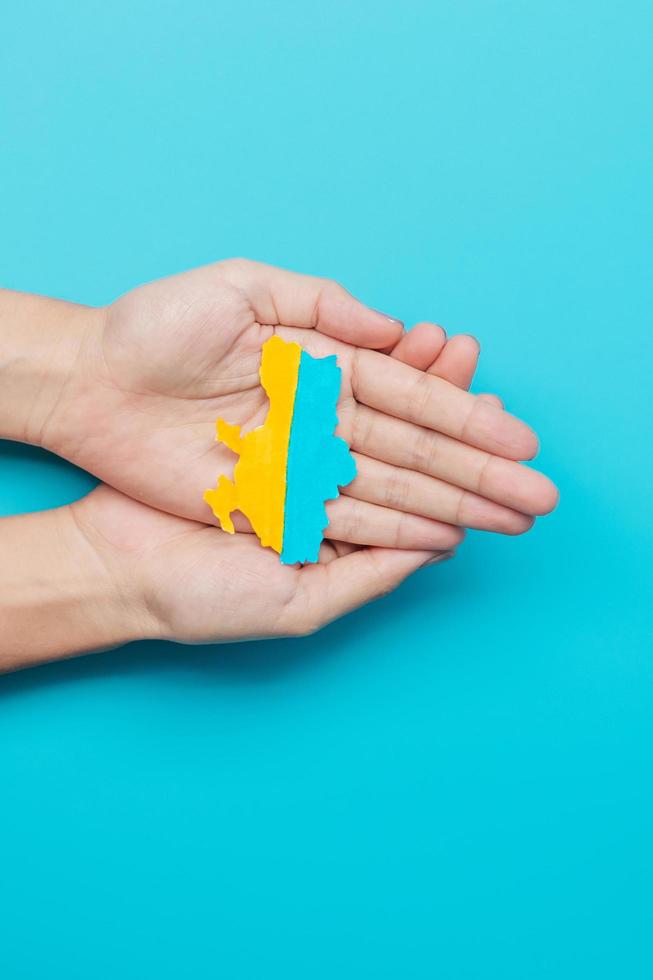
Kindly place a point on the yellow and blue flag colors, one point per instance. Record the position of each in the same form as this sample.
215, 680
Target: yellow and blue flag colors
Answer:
291, 464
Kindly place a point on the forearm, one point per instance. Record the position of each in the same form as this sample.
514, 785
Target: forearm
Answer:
40, 344
57, 598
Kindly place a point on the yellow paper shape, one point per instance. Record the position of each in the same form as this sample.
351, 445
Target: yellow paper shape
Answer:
259, 486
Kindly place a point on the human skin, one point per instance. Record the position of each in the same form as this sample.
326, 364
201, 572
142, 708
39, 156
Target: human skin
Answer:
107, 569
131, 392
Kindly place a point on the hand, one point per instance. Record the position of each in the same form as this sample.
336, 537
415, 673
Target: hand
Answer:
108, 570
186, 581
157, 368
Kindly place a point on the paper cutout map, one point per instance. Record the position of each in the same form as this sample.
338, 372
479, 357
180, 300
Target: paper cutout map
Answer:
293, 463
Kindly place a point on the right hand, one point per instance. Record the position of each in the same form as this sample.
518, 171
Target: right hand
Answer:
183, 580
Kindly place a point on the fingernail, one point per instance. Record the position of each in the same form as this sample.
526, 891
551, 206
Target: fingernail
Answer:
436, 559
392, 319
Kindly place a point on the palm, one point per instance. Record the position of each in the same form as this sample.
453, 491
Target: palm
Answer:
177, 356
190, 570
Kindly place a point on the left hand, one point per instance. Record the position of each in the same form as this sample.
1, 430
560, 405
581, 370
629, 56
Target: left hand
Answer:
162, 363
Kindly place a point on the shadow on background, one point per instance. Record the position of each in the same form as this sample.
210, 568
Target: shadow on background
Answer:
35, 479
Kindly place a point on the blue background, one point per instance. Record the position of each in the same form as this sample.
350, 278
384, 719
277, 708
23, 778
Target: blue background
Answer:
456, 782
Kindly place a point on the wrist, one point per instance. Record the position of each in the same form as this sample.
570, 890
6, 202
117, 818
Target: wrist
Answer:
58, 596
42, 345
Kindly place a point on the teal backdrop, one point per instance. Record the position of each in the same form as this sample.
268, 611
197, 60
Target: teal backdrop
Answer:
456, 782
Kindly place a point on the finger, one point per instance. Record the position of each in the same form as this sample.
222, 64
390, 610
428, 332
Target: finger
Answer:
355, 522
330, 550
426, 348
360, 522
332, 590
492, 400
458, 361
280, 297
420, 345
416, 448
401, 391
417, 493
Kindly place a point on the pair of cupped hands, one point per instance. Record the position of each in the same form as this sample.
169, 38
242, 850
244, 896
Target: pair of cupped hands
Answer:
154, 370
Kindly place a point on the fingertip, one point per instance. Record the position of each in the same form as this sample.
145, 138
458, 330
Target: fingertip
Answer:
420, 345
456, 536
434, 330
470, 339
518, 524
548, 497
531, 445
457, 361
522, 443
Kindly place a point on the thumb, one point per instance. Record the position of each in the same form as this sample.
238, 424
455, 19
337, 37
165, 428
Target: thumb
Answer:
280, 297
334, 589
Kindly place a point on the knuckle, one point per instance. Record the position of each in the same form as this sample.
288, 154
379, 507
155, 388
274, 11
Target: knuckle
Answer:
328, 290
482, 476
396, 491
470, 419
420, 395
362, 428
398, 532
425, 451
354, 371
351, 519
235, 265
332, 286
345, 518
380, 585
459, 516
